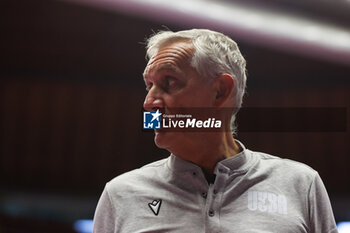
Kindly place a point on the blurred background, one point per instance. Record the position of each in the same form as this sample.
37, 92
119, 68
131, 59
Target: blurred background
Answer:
71, 94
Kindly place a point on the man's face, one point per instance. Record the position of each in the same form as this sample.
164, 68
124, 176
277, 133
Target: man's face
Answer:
173, 83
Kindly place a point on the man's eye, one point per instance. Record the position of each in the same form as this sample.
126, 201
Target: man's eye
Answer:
170, 82
148, 87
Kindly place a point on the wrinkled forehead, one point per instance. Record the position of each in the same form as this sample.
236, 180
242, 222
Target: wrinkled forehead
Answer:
171, 56
168, 42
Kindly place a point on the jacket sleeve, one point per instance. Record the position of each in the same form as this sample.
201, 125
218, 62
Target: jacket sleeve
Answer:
320, 209
104, 219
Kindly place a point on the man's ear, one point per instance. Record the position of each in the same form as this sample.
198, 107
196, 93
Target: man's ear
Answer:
224, 87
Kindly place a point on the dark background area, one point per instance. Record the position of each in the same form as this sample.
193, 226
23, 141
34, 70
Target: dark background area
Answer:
71, 94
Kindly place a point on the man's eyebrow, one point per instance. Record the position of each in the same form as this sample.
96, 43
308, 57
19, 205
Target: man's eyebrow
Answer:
170, 68
166, 67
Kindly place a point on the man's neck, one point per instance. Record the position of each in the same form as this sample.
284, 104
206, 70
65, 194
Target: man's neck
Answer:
207, 151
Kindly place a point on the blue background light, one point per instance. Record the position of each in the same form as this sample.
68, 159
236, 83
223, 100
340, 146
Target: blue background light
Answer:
83, 226
343, 227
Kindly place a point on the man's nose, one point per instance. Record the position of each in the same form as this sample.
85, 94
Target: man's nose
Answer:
153, 100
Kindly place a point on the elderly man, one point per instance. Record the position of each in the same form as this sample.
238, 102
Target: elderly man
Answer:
210, 182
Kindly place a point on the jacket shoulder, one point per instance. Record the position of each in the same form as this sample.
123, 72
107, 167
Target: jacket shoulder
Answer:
136, 179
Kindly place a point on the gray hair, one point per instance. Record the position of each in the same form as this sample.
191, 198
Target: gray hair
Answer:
214, 54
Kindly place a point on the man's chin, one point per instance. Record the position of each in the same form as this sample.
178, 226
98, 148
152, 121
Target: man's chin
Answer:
160, 139
165, 139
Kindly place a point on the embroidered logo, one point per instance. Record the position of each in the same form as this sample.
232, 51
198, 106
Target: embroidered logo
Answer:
155, 206
267, 202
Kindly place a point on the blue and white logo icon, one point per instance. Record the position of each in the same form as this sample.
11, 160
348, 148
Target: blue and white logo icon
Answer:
151, 120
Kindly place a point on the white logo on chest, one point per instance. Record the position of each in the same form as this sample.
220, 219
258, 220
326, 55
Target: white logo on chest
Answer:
267, 202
